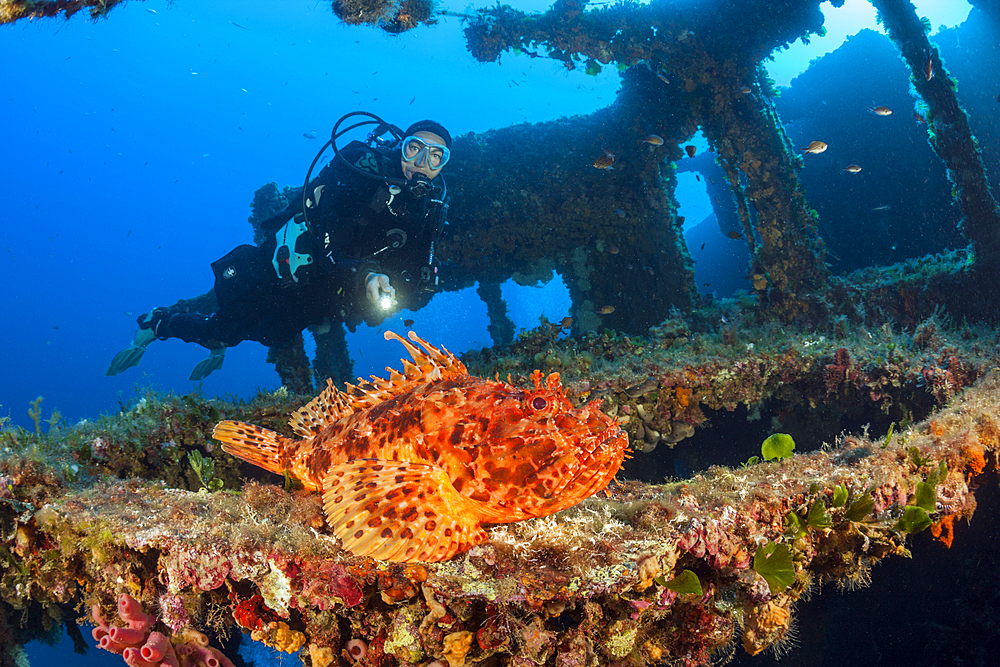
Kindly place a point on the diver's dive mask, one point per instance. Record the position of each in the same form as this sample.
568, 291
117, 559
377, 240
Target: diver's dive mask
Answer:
422, 153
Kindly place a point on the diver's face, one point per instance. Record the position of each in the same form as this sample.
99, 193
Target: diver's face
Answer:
420, 164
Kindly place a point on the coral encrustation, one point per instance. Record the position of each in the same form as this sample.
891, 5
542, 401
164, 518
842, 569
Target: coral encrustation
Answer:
652, 573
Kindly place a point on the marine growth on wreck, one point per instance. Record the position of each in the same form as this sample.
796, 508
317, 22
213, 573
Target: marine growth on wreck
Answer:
642, 574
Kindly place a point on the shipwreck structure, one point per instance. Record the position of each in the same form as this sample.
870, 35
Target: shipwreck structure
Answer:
614, 235
140, 525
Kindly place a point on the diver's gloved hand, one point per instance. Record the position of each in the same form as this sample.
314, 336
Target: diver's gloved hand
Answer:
131, 355
377, 288
206, 367
152, 320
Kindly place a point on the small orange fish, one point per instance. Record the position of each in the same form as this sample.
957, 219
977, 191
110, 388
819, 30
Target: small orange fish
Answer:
411, 468
735, 235
566, 323
652, 140
919, 117
815, 147
613, 249
691, 150
745, 90
606, 160
929, 68
852, 169
606, 310
881, 111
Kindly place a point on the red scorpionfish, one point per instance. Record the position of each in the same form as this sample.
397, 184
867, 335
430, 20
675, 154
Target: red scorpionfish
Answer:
412, 467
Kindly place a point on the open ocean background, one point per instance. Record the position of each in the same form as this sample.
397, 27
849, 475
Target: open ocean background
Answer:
134, 146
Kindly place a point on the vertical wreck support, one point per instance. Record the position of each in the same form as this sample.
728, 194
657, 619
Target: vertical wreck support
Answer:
948, 130
761, 167
501, 327
332, 359
292, 365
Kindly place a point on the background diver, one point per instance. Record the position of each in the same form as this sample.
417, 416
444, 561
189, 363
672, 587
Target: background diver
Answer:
354, 243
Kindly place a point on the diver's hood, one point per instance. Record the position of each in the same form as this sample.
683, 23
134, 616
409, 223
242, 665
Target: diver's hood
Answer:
387, 167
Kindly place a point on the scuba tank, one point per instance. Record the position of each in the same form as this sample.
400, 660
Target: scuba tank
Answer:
294, 240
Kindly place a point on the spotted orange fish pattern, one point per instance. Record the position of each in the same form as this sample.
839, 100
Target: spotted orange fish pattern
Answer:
411, 468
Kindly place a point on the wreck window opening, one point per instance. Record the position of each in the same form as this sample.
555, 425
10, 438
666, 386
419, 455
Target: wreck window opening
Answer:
526, 303
720, 261
721, 441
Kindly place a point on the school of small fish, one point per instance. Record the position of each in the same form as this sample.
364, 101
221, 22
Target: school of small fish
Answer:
607, 159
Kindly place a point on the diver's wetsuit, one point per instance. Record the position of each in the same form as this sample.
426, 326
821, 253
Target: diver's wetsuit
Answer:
358, 227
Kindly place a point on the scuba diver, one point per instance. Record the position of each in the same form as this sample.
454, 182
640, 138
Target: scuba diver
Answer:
354, 243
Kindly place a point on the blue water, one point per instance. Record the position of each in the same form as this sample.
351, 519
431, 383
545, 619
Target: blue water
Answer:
140, 141
133, 147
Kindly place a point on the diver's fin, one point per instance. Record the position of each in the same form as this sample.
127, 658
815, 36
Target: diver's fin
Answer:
132, 354
205, 367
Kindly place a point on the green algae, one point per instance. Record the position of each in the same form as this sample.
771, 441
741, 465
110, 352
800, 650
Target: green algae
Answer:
777, 446
773, 561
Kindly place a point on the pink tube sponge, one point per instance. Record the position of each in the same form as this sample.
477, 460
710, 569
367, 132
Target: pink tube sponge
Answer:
95, 613
155, 648
131, 612
133, 658
108, 645
197, 654
223, 660
127, 636
139, 646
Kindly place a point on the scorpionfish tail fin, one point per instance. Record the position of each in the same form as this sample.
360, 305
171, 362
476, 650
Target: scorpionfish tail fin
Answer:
259, 446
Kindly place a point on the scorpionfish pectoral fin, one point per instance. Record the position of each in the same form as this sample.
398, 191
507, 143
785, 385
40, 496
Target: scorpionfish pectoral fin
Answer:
399, 511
